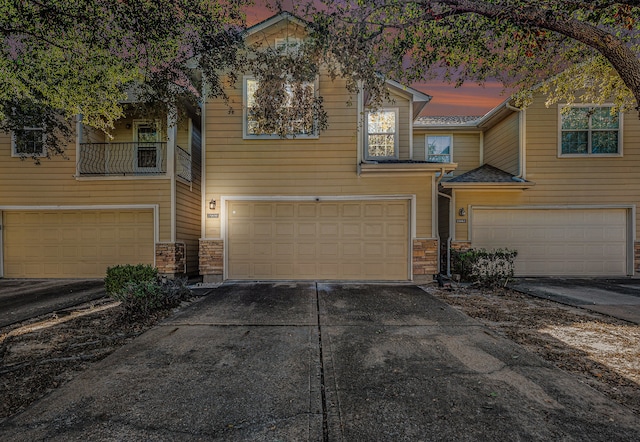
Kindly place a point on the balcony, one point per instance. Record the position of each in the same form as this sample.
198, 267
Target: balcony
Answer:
122, 159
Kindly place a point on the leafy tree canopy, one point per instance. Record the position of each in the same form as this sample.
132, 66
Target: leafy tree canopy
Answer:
60, 58
578, 50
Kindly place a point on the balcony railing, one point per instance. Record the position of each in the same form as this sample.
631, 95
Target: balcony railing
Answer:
122, 159
183, 164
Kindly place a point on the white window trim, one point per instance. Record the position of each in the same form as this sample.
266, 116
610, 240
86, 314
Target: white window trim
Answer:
589, 155
15, 154
396, 148
426, 145
247, 136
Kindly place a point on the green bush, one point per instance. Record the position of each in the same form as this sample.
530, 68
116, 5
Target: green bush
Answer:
488, 268
141, 298
118, 277
141, 291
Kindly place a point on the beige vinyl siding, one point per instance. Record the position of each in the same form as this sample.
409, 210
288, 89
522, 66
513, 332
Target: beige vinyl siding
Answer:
501, 145
282, 29
52, 183
323, 166
592, 181
465, 148
404, 125
188, 210
465, 199
588, 180
466, 152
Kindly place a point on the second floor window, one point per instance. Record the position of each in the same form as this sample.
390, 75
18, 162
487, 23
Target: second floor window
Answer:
589, 130
438, 148
382, 135
28, 142
290, 115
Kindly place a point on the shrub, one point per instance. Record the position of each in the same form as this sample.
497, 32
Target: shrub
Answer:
120, 276
176, 291
489, 268
141, 298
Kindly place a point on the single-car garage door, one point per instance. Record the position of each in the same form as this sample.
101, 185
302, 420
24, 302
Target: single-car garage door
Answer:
345, 240
556, 242
75, 243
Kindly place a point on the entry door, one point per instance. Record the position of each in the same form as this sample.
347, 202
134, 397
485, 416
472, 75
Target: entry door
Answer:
148, 153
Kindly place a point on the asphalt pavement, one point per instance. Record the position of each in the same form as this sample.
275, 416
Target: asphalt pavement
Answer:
322, 362
619, 298
22, 299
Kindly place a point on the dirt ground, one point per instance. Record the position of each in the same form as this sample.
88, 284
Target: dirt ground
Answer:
44, 353
601, 351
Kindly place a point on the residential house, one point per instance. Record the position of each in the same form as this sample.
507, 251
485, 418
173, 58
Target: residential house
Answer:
129, 198
354, 202
561, 188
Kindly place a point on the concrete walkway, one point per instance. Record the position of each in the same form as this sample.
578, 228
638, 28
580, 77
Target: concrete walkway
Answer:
322, 362
619, 298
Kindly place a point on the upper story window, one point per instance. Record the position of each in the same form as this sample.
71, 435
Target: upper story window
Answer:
438, 148
382, 135
288, 45
28, 142
590, 130
296, 123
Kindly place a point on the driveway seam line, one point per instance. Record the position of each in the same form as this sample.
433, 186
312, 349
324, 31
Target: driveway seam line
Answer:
323, 393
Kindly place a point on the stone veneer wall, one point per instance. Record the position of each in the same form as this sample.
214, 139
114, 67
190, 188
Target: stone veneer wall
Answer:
425, 259
636, 256
211, 260
171, 258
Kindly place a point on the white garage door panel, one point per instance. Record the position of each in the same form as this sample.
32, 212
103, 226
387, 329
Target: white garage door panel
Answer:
75, 243
348, 240
557, 242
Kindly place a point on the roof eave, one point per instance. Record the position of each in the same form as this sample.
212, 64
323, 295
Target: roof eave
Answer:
488, 186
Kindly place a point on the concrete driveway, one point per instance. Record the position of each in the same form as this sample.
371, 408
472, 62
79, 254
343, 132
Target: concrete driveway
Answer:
22, 299
619, 298
322, 362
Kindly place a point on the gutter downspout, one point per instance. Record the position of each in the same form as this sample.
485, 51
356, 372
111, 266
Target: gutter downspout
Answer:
440, 178
522, 141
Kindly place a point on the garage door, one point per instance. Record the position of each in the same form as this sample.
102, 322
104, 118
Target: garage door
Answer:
345, 240
75, 243
557, 242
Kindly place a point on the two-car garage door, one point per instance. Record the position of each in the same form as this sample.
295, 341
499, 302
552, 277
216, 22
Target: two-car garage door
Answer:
557, 242
74, 243
345, 240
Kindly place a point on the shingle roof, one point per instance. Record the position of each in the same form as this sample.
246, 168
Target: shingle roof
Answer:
447, 120
484, 174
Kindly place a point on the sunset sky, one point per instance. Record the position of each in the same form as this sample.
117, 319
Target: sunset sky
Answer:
470, 99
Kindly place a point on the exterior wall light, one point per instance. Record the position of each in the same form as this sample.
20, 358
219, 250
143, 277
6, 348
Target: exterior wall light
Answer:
462, 212
212, 204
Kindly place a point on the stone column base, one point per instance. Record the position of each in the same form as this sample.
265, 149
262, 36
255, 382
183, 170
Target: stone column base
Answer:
211, 260
425, 259
171, 259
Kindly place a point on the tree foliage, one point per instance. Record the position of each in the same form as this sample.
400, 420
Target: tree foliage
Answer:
572, 45
60, 58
